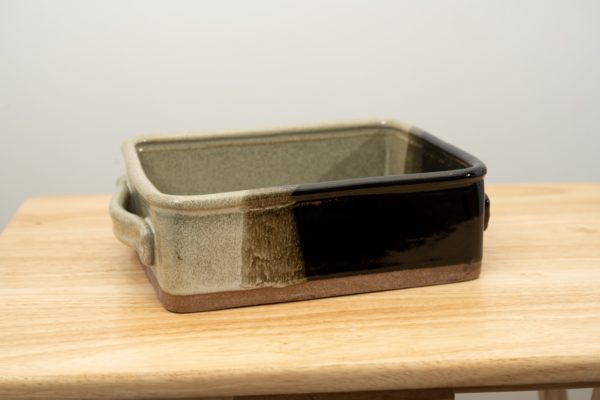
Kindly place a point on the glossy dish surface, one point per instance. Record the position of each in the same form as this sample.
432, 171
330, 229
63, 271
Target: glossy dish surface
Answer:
226, 220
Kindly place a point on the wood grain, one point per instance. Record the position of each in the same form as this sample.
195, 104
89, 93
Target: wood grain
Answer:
78, 318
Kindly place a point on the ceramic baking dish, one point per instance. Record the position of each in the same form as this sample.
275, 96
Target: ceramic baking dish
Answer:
237, 219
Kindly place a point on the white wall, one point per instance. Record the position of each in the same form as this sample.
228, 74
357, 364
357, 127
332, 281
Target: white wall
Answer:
517, 83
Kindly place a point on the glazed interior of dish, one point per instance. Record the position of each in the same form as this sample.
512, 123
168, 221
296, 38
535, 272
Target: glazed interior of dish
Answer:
213, 165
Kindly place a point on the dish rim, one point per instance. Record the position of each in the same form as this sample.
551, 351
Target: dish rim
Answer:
274, 195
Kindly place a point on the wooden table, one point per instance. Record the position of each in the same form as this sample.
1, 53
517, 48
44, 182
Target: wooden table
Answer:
78, 318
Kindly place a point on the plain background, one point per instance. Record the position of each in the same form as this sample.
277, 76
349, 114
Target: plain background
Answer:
516, 83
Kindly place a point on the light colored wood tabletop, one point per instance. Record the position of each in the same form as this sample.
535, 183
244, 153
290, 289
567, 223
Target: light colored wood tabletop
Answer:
79, 319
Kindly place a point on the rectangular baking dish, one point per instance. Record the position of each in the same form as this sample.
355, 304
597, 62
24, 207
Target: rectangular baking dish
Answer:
245, 218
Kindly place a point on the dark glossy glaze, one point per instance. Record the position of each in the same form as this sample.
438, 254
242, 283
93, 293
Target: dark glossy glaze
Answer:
361, 233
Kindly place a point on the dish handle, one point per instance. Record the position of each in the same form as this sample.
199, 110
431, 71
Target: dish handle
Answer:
131, 229
486, 218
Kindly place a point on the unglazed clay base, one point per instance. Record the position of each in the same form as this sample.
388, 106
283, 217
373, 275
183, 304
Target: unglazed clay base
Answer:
316, 288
